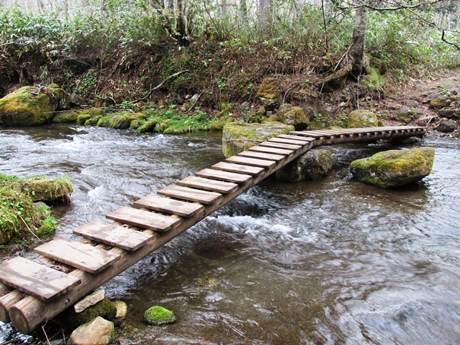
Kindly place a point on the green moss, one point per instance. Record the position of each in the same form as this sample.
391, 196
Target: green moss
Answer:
105, 309
82, 118
362, 118
47, 189
394, 167
93, 121
19, 217
27, 106
158, 315
149, 125
66, 117
374, 80
239, 136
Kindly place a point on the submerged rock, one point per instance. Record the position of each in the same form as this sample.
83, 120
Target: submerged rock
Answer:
394, 167
158, 315
237, 136
312, 165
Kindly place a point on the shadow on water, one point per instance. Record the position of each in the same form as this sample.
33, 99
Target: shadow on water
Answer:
333, 261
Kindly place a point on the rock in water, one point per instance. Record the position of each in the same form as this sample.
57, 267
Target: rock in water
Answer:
158, 315
237, 137
96, 332
312, 165
394, 167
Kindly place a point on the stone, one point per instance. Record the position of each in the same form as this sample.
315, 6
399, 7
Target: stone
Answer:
118, 122
447, 126
269, 94
312, 165
239, 136
362, 118
406, 114
394, 167
122, 309
294, 116
97, 332
158, 316
440, 101
448, 113
27, 106
89, 300
104, 309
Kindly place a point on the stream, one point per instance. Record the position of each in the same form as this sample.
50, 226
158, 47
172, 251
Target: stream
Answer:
333, 261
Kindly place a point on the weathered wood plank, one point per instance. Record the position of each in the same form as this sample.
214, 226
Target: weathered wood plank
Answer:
295, 137
287, 141
190, 194
261, 155
34, 279
273, 150
79, 255
280, 145
167, 205
223, 176
250, 161
207, 184
238, 168
114, 235
144, 219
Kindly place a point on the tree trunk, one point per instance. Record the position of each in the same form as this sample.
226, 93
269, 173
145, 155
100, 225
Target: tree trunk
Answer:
359, 40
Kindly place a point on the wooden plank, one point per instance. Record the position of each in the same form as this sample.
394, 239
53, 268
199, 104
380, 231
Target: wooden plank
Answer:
271, 150
287, 141
167, 205
280, 146
76, 254
223, 175
238, 168
206, 184
250, 161
144, 219
295, 137
34, 279
190, 194
261, 155
114, 235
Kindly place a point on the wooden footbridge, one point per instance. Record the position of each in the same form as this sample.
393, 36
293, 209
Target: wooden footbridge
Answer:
32, 293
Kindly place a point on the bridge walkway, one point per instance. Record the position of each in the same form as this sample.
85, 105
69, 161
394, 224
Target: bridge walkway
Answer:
34, 292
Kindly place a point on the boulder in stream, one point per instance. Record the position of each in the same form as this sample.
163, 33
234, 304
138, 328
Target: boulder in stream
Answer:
312, 165
31, 105
394, 167
239, 136
158, 316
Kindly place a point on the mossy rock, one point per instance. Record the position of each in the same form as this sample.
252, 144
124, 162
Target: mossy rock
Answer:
93, 121
59, 97
19, 216
27, 106
216, 126
362, 118
134, 116
158, 316
394, 167
440, 102
238, 136
105, 309
135, 124
149, 125
312, 165
82, 118
294, 116
47, 189
269, 93
69, 116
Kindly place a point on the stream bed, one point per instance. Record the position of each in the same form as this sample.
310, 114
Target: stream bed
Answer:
333, 261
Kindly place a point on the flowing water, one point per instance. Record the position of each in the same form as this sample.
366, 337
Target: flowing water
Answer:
333, 261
